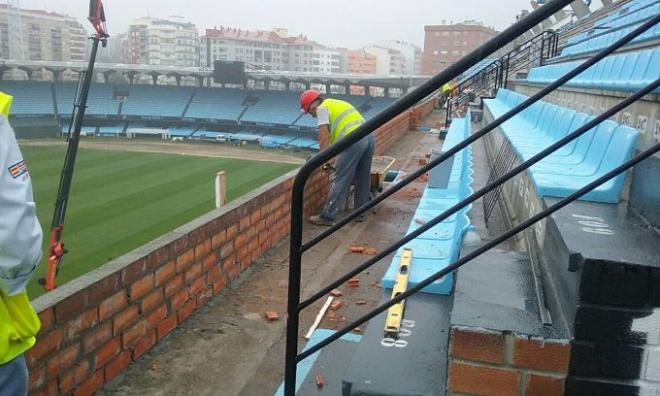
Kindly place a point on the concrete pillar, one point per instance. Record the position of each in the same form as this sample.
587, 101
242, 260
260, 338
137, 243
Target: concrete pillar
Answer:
580, 8
387, 92
287, 84
154, 77
131, 76
367, 90
307, 85
177, 77
200, 80
328, 88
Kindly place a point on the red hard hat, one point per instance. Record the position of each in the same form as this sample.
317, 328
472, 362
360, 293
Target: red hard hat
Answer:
307, 98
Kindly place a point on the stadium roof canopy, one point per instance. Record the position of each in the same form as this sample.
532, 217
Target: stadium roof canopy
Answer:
198, 72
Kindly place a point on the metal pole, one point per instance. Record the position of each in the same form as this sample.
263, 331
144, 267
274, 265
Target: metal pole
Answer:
401, 105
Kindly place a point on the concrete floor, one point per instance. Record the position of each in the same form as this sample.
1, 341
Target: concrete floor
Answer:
227, 348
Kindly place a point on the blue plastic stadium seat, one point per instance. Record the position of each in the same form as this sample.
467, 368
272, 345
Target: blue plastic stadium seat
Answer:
577, 163
628, 71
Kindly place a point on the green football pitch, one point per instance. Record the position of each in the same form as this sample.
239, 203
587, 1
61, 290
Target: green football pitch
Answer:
121, 200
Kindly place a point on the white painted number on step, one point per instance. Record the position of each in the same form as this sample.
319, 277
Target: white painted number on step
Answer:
404, 331
594, 225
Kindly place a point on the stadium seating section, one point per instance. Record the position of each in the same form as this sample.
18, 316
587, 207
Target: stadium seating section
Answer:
440, 246
585, 159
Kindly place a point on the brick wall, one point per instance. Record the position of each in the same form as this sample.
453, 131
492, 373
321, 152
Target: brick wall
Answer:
484, 362
616, 331
420, 111
94, 326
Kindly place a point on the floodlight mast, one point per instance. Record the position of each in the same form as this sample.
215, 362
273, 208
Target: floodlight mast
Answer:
56, 248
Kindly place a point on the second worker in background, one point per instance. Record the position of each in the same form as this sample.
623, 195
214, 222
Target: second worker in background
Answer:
337, 119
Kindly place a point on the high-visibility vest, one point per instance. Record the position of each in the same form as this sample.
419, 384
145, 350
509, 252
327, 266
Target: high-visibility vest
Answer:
19, 322
344, 118
446, 88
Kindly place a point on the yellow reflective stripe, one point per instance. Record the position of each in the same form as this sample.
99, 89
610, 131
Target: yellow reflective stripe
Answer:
345, 130
340, 118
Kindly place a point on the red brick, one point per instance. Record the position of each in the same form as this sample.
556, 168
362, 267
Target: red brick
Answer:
210, 261
141, 287
227, 249
486, 381
197, 286
157, 316
144, 344
89, 387
271, 316
49, 390
112, 304
117, 365
73, 377
185, 311
151, 300
240, 240
541, 385
164, 273
37, 378
202, 250
158, 258
480, 345
244, 223
193, 273
104, 287
71, 306
180, 298
47, 318
96, 338
166, 326
105, 353
540, 354
87, 320
133, 271
204, 296
46, 344
336, 305
218, 239
232, 230
185, 260
219, 285
213, 274
64, 359
255, 216
174, 285
124, 319
130, 335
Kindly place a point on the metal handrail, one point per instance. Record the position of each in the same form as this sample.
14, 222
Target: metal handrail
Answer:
297, 248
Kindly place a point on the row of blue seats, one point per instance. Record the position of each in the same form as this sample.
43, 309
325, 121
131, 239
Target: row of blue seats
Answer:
155, 101
604, 40
30, 97
575, 164
627, 16
628, 71
217, 104
439, 247
635, 10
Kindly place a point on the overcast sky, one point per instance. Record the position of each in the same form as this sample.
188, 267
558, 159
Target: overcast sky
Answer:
345, 23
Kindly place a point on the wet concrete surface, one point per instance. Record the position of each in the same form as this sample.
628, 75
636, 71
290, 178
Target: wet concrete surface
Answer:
227, 348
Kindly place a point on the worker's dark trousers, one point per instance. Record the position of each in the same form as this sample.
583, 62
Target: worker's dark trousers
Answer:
14, 377
353, 163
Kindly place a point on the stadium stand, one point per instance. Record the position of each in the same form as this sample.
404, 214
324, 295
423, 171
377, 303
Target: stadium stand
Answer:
30, 97
594, 154
155, 101
99, 103
216, 104
628, 71
273, 107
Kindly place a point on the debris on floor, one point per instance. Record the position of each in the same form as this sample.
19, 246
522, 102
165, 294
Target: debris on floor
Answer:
336, 305
361, 302
358, 330
356, 249
353, 282
271, 316
336, 293
320, 381
369, 251
420, 221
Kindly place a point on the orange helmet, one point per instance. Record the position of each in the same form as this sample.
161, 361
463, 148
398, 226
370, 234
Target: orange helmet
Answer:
307, 98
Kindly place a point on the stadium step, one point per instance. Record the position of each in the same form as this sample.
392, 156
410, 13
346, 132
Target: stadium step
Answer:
192, 96
415, 364
328, 365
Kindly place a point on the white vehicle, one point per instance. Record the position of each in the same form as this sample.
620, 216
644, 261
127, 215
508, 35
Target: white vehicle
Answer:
177, 139
221, 138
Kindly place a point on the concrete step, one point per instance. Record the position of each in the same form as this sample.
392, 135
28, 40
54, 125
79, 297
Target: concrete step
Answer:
416, 364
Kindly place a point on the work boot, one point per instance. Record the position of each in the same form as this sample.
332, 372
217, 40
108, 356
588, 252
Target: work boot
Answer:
321, 220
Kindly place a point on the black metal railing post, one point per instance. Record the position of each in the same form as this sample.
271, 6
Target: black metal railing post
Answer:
296, 247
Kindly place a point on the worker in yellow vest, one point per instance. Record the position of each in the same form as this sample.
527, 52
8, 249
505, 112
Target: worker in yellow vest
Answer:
20, 251
337, 119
